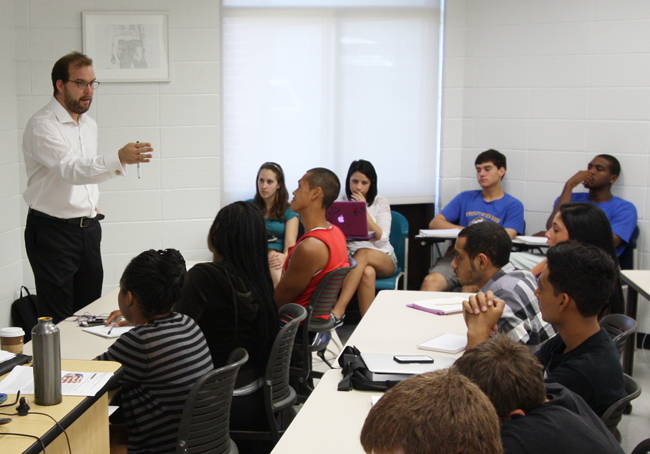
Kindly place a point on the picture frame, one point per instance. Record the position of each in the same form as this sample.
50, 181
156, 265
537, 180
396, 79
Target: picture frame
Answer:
127, 46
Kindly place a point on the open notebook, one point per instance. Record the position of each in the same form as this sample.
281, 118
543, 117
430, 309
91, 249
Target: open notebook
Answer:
440, 306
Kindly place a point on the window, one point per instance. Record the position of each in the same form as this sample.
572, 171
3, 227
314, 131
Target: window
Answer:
323, 86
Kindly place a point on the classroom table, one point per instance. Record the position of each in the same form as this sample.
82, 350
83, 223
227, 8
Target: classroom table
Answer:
519, 244
331, 420
85, 419
434, 243
638, 282
78, 344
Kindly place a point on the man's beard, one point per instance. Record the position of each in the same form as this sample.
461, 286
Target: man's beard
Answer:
74, 105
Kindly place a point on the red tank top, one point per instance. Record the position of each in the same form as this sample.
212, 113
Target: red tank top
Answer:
335, 242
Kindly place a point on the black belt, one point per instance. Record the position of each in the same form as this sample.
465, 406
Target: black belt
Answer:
81, 222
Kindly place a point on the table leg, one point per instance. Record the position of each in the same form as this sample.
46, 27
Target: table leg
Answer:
630, 311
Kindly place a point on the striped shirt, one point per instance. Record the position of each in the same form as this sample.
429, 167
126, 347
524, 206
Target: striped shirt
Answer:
161, 362
521, 319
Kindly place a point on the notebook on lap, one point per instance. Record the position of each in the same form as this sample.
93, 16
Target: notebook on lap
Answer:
351, 218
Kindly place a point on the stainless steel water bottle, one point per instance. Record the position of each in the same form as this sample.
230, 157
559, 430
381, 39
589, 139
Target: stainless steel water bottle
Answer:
46, 341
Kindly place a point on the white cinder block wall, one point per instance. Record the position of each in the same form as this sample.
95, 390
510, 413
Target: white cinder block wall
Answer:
10, 199
175, 201
551, 84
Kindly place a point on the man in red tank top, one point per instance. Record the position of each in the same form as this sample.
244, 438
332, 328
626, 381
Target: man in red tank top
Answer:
322, 248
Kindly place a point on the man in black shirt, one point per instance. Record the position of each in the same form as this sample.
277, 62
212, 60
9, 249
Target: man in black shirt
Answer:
575, 285
534, 418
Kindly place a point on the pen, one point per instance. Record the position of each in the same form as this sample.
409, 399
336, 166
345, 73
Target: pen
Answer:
109, 331
137, 141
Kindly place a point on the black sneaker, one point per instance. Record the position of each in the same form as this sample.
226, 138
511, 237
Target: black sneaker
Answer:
337, 321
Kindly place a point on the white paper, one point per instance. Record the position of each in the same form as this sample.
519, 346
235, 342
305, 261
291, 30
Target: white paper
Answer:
447, 343
21, 379
440, 233
101, 330
531, 239
4, 356
375, 399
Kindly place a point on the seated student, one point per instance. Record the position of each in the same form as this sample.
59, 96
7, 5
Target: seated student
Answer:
602, 172
481, 259
586, 223
322, 248
440, 412
162, 356
534, 419
575, 285
489, 203
272, 198
375, 258
231, 299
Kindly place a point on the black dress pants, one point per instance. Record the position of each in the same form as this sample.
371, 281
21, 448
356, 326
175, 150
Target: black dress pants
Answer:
67, 264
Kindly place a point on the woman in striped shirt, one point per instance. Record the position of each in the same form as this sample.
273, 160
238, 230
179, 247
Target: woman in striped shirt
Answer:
162, 356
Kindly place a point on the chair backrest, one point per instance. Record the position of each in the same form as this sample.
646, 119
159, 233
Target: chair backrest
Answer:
399, 234
278, 394
620, 327
614, 413
643, 447
626, 259
205, 421
324, 298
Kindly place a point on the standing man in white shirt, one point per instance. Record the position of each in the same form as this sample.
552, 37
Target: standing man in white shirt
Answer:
63, 234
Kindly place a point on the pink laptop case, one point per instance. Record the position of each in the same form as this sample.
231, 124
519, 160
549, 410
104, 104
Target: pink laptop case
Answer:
351, 218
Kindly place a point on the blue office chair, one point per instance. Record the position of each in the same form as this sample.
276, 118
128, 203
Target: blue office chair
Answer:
626, 259
399, 238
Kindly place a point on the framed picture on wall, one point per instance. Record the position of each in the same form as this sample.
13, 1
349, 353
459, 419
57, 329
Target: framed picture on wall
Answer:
127, 46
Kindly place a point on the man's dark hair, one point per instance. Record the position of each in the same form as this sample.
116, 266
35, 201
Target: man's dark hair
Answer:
588, 224
614, 165
487, 238
493, 156
440, 412
586, 273
320, 177
61, 69
366, 168
508, 372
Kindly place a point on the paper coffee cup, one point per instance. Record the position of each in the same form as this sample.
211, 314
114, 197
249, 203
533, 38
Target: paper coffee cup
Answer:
11, 339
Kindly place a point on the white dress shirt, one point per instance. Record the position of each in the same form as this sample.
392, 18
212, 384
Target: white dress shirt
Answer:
62, 165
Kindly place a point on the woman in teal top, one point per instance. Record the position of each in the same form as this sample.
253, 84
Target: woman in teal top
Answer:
272, 199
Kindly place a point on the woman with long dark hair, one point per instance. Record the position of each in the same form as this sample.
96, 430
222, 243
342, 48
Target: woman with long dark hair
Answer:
375, 258
587, 223
231, 299
272, 198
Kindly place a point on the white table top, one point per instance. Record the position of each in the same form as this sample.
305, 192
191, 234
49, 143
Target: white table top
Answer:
336, 418
639, 280
78, 344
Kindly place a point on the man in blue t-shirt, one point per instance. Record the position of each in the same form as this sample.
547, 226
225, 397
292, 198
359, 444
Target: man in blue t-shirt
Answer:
599, 177
489, 204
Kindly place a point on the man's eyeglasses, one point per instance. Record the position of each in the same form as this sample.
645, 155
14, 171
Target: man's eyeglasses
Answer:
82, 84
